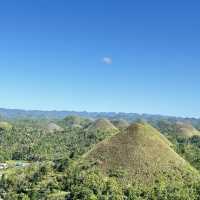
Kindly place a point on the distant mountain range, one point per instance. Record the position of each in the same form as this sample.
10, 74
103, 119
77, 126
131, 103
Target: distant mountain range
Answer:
38, 114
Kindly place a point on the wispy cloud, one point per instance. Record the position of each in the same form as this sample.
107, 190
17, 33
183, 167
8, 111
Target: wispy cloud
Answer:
107, 60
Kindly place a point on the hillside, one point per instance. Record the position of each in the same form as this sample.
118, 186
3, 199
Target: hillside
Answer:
185, 130
178, 129
102, 124
75, 121
120, 124
53, 127
141, 152
5, 125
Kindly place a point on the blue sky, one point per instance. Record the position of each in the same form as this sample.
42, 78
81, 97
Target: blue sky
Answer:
51, 55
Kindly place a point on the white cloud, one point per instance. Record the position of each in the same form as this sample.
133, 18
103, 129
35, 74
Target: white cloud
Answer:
107, 60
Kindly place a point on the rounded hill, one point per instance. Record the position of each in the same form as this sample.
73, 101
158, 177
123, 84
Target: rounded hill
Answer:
5, 125
120, 124
102, 124
185, 130
178, 129
75, 121
53, 127
141, 153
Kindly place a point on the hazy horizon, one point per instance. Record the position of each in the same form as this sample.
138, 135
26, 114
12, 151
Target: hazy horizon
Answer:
79, 111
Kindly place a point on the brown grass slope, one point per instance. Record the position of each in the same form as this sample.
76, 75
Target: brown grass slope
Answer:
53, 127
102, 124
185, 130
120, 124
75, 121
142, 153
5, 125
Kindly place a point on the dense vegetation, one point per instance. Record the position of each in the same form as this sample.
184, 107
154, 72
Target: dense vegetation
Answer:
35, 144
57, 173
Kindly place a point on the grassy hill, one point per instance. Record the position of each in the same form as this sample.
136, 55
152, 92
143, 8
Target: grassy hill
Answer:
120, 124
53, 127
5, 125
102, 124
141, 154
185, 130
178, 129
75, 121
